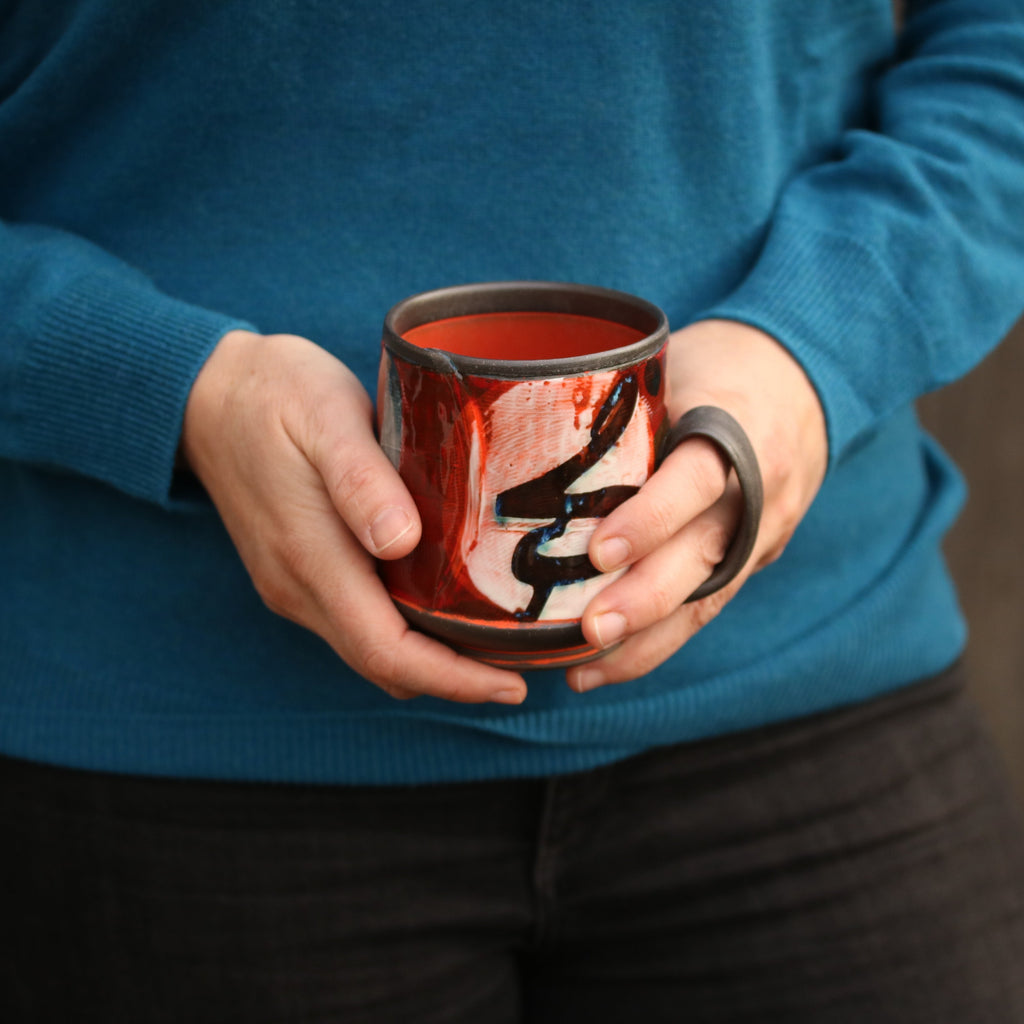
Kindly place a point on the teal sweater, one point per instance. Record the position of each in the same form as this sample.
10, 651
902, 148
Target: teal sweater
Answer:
171, 170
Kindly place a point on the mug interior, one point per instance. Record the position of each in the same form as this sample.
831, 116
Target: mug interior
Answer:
523, 335
524, 329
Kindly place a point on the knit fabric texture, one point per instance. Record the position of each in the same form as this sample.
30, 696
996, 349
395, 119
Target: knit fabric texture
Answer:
171, 171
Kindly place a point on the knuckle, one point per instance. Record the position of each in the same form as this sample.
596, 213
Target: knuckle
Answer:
788, 513
712, 541
660, 519
279, 580
349, 476
639, 658
291, 552
662, 599
276, 595
776, 456
379, 663
637, 666
774, 471
396, 691
707, 609
786, 522
771, 555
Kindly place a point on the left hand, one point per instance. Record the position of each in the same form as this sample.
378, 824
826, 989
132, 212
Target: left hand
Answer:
676, 529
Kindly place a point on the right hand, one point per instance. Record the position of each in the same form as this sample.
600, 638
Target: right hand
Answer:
280, 433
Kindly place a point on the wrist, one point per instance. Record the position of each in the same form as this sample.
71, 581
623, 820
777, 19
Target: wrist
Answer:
207, 392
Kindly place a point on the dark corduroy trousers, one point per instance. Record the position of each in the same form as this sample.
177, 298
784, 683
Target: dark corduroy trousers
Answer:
861, 866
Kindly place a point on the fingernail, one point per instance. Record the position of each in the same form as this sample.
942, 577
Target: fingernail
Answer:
587, 679
390, 525
612, 553
610, 628
513, 696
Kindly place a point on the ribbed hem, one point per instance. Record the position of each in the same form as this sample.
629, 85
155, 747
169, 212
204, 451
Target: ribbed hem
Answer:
835, 306
105, 380
380, 748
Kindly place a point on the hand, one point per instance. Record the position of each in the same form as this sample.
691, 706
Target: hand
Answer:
675, 530
281, 435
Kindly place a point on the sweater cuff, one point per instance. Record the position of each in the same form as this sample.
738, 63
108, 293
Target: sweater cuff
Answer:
832, 302
104, 383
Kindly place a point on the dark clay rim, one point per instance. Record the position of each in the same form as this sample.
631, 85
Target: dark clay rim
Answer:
534, 638
526, 297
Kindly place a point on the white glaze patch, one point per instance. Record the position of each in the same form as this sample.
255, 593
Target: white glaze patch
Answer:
531, 429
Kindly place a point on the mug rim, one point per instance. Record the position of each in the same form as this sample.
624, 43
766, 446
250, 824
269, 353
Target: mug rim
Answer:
525, 297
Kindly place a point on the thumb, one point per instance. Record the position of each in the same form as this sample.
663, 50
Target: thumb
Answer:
371, 497
364, 486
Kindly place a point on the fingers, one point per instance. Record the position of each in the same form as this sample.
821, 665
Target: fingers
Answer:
646, 650
281, 435
691, 479
673, 531
680, 524
332, 588
658, 585
255, 386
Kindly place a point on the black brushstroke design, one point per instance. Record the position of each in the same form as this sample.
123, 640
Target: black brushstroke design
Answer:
546, 497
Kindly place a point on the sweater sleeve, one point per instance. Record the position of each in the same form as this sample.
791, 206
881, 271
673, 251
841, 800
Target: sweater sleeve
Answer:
95, 362
894, 268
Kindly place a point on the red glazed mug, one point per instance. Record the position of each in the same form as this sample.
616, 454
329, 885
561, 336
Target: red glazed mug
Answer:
519, 414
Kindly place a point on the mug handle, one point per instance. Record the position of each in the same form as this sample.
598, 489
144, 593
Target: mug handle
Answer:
729, 437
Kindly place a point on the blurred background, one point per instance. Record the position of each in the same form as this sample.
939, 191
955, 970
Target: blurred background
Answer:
980, 422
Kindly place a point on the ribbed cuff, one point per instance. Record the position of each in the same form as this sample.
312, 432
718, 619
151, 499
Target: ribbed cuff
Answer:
105, 381
832, 302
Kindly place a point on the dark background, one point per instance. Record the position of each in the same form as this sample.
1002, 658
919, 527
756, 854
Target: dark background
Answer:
980, 422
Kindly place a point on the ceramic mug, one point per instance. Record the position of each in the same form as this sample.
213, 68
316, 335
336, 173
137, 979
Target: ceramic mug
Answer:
519, 414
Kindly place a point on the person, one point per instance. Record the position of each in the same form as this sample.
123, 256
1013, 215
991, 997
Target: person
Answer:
220, 801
